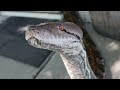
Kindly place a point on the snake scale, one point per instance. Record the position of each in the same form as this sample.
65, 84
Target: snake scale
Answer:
67, 39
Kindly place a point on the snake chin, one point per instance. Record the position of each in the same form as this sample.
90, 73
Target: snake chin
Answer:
34, 42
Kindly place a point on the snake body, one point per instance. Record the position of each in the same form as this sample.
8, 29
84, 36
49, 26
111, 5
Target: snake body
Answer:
67, 39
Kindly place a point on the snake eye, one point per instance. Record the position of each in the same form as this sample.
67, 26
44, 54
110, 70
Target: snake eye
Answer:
61, 28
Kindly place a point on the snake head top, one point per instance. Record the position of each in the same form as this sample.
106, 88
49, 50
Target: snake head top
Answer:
64, 37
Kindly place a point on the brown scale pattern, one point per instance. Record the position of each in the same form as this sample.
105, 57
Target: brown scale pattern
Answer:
93, 55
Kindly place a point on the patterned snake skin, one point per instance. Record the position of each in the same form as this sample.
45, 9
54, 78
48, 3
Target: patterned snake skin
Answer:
65, 38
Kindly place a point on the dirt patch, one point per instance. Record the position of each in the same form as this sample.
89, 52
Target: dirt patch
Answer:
94, 56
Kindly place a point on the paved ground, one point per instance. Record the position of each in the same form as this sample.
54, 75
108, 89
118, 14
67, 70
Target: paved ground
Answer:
55, 69
18, 60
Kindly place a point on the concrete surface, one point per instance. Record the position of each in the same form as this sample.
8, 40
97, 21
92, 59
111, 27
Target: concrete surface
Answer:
110, 51
19, 60
55, 69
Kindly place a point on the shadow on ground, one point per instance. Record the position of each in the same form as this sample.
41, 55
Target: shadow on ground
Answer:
13, 44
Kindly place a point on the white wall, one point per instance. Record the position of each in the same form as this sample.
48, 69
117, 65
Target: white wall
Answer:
33, 14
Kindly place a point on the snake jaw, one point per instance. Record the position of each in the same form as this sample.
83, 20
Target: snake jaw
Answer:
54, 43
67, 41
48, 36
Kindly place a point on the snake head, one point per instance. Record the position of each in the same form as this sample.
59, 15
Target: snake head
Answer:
64, 37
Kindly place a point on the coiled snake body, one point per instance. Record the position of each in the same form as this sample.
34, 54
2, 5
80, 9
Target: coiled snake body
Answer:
65, 38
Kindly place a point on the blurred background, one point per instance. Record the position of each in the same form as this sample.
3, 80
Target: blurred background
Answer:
19, 60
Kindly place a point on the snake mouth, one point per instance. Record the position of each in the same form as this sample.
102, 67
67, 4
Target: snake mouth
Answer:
34, 42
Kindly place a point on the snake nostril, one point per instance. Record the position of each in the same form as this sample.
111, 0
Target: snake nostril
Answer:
31, 29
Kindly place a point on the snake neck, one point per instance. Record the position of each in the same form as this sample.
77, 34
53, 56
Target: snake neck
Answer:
78, 66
